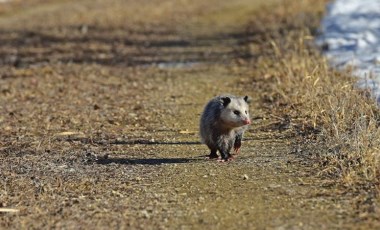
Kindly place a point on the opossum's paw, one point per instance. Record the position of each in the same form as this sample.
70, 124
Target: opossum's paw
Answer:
229, 158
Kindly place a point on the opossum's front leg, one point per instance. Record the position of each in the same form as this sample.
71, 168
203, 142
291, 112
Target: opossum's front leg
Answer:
226, 156
224, 144
237, 143
213, 154
225, 152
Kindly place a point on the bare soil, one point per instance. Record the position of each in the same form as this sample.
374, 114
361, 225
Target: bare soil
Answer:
100, 103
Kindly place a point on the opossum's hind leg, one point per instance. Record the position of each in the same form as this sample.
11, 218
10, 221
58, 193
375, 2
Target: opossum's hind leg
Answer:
237, 143
213, 154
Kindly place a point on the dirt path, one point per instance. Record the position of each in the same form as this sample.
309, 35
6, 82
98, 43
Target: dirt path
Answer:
99, 120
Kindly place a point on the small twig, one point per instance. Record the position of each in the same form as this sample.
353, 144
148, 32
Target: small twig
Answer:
9, 210
277, 117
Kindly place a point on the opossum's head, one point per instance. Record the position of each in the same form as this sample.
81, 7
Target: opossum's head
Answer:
236, 111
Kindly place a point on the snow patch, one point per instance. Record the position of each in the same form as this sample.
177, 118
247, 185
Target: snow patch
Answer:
351, 37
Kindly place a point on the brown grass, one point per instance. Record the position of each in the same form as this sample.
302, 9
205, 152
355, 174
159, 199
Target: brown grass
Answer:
324, 105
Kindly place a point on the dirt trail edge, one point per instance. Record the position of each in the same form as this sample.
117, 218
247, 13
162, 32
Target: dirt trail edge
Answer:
100, 108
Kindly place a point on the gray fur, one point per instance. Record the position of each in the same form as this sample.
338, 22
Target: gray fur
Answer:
220, 128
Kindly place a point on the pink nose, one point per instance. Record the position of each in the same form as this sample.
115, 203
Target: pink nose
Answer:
247, 122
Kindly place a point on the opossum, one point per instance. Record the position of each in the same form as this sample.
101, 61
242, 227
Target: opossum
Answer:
223, 122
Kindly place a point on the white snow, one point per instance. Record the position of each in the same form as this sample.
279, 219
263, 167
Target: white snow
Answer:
351, 36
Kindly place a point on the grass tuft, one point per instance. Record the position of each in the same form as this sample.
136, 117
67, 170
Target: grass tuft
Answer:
325, 107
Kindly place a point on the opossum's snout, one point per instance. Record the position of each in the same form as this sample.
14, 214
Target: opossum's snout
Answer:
247, 121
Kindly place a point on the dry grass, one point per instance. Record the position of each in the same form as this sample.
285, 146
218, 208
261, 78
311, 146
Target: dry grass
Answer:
324, 105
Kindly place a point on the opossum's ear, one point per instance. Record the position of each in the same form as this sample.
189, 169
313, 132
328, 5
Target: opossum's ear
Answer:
247, 99
226, 101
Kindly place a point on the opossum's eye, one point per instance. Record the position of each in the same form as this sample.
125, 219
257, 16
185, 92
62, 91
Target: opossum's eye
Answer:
237, 112
246, 112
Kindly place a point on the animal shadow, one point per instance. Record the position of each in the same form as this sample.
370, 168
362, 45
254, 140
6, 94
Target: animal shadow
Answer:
146, 161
